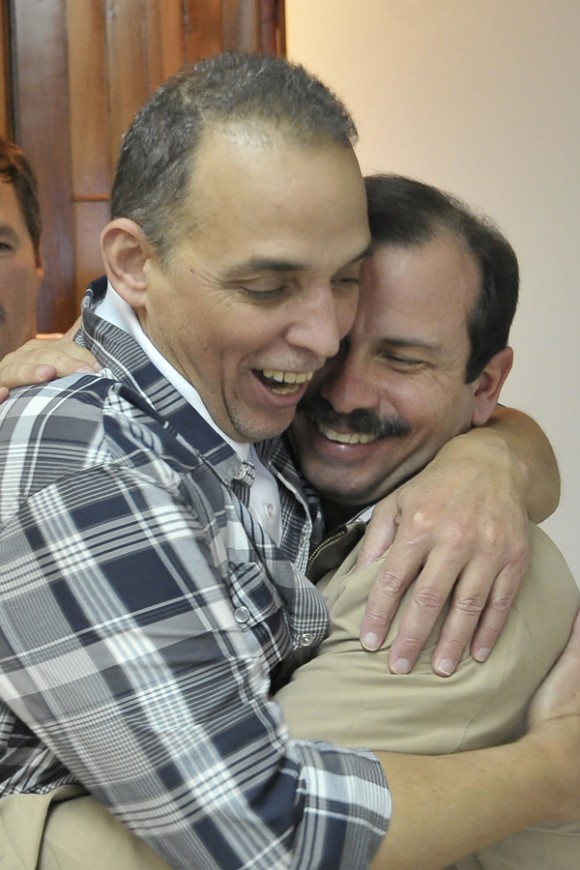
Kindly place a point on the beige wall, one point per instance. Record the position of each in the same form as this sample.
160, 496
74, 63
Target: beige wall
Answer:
481, 97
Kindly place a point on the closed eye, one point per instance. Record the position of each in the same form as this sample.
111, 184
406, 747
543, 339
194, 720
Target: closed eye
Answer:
402, 362
266, 294
347, 281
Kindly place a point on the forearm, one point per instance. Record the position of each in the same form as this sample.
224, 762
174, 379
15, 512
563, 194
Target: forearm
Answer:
449, 806
528, 443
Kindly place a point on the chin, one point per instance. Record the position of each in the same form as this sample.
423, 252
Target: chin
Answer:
255, 434
329, 489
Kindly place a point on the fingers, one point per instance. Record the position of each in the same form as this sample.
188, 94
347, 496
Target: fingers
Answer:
28, 373
42, 360
382, 604
380, 532
390, 584
22, 375
477, 614
481, 593
435, 562
496, 611
432, 589
479, 607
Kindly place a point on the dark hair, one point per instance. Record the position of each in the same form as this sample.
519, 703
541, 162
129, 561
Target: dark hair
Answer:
16, 170
262, 92
408, 212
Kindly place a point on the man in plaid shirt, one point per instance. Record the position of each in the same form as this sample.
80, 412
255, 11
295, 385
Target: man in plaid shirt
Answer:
155, 607
143, 607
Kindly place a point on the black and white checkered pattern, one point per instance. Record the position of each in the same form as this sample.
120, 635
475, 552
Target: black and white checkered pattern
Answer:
142, 610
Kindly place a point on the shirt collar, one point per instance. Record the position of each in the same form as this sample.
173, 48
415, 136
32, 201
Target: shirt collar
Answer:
125, 361
115, 310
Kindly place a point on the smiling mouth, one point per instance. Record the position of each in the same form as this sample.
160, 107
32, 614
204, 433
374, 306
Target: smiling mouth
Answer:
345, 437
283, 383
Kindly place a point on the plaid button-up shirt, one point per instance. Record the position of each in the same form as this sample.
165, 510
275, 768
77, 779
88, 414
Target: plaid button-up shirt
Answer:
142, 612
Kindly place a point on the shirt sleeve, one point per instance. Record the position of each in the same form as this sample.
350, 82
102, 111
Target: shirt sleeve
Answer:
123, 650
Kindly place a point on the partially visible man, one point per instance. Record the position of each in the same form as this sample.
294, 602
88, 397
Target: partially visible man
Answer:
425, 360
21, 269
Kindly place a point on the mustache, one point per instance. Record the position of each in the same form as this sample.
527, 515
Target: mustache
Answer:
361, 420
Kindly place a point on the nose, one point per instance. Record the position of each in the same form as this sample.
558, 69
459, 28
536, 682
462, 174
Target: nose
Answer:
347, 384
323, 318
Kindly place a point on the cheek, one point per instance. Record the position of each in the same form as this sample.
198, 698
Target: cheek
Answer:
447, 418
17, 284
18, 297
404, 397
252, 331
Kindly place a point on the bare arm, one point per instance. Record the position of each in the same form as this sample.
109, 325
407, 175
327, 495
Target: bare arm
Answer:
448, 806
459, 526
531, 447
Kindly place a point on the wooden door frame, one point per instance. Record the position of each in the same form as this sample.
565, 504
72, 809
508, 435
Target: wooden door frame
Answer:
35, 107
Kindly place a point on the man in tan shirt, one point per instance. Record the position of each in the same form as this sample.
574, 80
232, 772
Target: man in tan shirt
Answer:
426, 360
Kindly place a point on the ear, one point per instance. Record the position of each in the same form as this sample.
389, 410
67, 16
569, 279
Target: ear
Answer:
125, 253
488, 385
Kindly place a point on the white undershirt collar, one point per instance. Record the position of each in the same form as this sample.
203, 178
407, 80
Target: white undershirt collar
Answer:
264, 493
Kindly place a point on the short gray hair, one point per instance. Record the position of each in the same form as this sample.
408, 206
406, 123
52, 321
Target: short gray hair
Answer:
156, 158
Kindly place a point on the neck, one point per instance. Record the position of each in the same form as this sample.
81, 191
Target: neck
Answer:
336, 514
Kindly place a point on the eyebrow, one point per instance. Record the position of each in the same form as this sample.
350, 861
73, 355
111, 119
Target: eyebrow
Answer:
403, 343
275, 264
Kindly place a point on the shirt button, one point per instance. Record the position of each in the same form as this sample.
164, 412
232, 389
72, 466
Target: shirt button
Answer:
241, 615
270, 510
305, 640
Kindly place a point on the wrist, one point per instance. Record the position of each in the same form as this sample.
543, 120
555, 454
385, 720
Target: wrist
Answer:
488, 445
553, 784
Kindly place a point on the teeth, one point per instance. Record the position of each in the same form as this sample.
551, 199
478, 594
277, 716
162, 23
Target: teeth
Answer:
286, 382
345, 437
288, 377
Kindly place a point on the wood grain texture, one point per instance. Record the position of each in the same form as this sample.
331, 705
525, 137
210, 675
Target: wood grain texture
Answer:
72, 75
